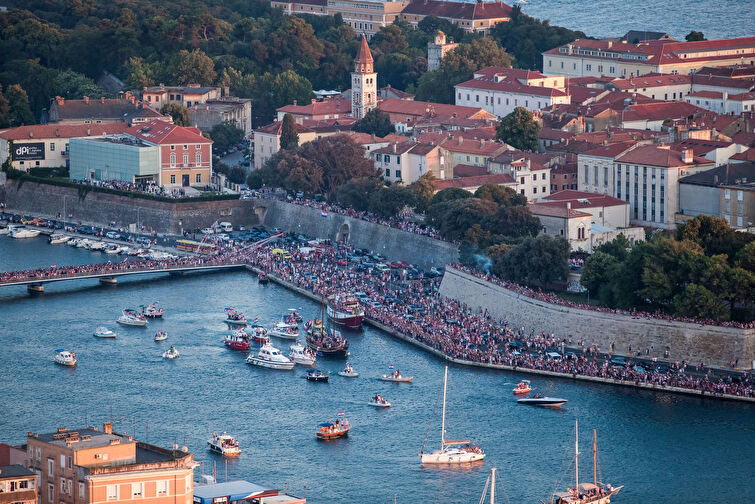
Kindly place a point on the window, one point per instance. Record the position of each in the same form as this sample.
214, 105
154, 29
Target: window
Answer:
727, 193
459, 96
605, 176
112, 492
62, 485
81, 490
186, 159
544, 189
198, 178
70, 462
534, 190
543, 177
50, 492
534, 177
197, 146
137, 489
740, 195
173, 160
739, 221
521, 191
52, 147
186, 147
172, 179
172, 147
69, 487
387, 172
39, 453
587, 175
50, 468
198, 158
62, 461
595, 175
162, 487
398, 174
477, 98
588, 67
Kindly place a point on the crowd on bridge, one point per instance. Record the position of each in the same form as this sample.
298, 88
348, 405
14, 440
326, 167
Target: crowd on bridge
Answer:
146, 187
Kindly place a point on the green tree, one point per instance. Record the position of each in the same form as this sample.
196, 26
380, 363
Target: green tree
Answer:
139, 74
178, 112
519, 129
424, 188
74, 86
537, 261
389, 39
617, 248
697, 301
225, 135
18, 105
450, 194
502, 196
193, 67
512, 221
356, 192
388, 201
694, 36
453, 218
300, 174
375, 122
598, 276
289, 135
4, 110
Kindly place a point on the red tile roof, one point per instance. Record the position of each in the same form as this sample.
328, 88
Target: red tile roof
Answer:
419, 108
581, 199
654, 155
475, 181
162, 133
364, 56
748, 155
509, 73
659, 111
459, 10
47, 131
706, 94
725, 82
742, 96
556, 210
744, 138
610, 151
651, 80
464, 170
511, 87
326, 107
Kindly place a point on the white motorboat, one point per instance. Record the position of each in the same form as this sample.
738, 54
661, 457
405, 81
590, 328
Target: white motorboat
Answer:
9, 229
234, 317
379, 401
285, 331
132, 318
83, 243
538, 400
397, 377
348, 372
57, 238
74, 242
270, 357
224, 444
96, 246
125, 250
21, 233
104, 332
161, 336
113, 248
170, 353
153, 311
65, 358
302, 355
450, 452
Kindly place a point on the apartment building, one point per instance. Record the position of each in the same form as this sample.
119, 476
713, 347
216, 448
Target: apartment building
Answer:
18, 485
407, 161
88, 466
595, 170
727, 192
126, 109
532, 178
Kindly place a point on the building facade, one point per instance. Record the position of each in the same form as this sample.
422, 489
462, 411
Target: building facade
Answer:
186, 96
18, 485
363, 82
726, 192
436, 50
127, 109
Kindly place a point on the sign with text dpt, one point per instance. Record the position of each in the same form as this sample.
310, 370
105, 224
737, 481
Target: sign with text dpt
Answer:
29, 151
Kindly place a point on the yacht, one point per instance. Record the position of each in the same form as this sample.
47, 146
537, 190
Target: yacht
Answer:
83, 243
58, 238
24, 233
132, 318
96, 246
450, 452
223, 444
170, 353
345, 310
270, 357
65, 358
9, 229
302, 355
104, 332
538, 400
113, 248
285, 331
74, 242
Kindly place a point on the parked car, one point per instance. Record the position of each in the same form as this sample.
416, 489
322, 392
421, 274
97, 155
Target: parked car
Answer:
208, 230
113, 235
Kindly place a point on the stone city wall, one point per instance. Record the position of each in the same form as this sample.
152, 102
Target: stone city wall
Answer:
710, 344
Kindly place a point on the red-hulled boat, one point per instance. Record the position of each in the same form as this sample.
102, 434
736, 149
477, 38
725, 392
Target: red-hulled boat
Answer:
238, 340
345, 310
328, 344
259, 334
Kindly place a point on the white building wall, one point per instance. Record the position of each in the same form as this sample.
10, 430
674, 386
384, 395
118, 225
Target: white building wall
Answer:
595, 174
503, 103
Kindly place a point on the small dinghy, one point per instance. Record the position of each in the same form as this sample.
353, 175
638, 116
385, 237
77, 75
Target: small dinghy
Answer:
379, 401
538, 400
523, 387
348, 372
104, 332
317, 375
161, 336
170, 353
397, 377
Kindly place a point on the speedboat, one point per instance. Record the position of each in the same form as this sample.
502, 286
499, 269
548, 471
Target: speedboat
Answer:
58, 238
346, 310
96, 246
270, 357
104, 332
224, 444
379, 401
294, 314
170, 353
132, 318
83, 243
334, 430
74, 242
316, 375
397, 377
125, 250
238, 340
259, 334
136, 251
9, 229
538, 400
24, 233
523, 387
65, 358
285, 331
289, 320
301, 354
153, 311
113, 249
348, 372
161, 336
234, 317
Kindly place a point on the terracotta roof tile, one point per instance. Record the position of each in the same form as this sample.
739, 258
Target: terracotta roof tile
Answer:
47, 131
475, 181
162, 133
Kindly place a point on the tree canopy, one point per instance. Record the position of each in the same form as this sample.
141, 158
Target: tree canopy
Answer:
289, 135
519, 129
375, 122
178, 112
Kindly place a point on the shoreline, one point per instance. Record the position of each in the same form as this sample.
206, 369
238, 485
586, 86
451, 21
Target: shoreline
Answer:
502, 367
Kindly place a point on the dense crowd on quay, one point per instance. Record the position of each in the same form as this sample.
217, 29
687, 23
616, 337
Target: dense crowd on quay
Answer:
415, 310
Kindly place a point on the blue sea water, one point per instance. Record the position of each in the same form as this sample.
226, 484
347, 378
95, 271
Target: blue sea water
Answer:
665, 448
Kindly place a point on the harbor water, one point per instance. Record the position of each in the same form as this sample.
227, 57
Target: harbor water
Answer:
663, 447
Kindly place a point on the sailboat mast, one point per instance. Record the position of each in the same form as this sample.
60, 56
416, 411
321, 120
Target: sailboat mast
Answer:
492, 486
443, 421
576, 454
595, 457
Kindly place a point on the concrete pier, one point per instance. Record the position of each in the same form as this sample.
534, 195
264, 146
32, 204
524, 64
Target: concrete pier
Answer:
35, 288
108, 281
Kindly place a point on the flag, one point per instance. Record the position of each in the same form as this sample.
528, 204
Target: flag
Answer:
341, 413
255, 319
324, 214
390, 367
124, 259
228, 309
53, 266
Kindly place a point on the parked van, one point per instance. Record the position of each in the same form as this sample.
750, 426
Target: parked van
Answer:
226, 227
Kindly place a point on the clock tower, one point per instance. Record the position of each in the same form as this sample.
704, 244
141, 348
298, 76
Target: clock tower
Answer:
363, 82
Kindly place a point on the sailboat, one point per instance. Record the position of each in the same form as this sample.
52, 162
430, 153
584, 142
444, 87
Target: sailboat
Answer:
489, 483
586, 493
451, 452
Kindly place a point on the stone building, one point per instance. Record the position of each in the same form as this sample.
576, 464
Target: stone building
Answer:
363, 82
18, 485
127, 109
436, 50
727, 192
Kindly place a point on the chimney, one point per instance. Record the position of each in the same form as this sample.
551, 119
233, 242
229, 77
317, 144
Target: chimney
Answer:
527, 161
107, 428
60, 100
568, 205
460, 140
313, 101
31, 134
294, 102
394, 148
687, 156
61, 430
373, 137
482, 142
102, 99
86, 100
57, 132
89, 131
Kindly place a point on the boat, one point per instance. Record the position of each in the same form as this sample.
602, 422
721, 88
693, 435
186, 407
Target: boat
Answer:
161, 336
270, 357
65, 358
136, 251
345, 310
96, 246
301, 354
170, 353
262, 277
74, 242
450, 452
293, 314
125, 250
259, 334
489, 483
57, 238
238, 340
586, 493
538, 400
313, 326
9, 229
153, 311
397, 377
24, 232
234, 317
316, 375
104, 332
285, 331
379, 401
83, 243
348, 372
133, 318
334, 430
114, 249
523, 387
223, 444
328, 344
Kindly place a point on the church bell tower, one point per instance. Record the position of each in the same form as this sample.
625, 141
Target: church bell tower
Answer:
363, 82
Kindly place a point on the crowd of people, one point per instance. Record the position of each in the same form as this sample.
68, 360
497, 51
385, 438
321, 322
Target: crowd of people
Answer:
147, 187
